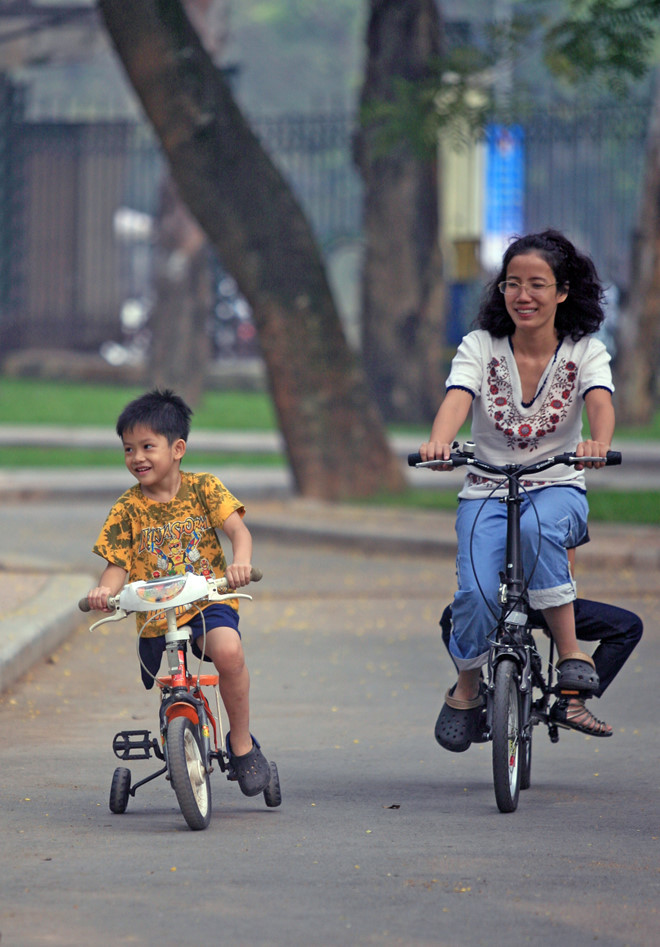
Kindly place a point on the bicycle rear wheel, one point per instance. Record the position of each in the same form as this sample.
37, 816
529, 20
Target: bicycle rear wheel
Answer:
507, 744
188, 774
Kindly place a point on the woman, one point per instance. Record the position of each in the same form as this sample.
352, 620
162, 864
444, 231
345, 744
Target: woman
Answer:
526, 373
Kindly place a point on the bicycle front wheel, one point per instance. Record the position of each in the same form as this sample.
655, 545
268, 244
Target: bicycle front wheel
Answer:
507, 744
188, 774
526, 743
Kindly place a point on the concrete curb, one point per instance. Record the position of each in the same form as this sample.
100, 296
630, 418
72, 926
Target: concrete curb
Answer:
34, 626
37, 626
611, 548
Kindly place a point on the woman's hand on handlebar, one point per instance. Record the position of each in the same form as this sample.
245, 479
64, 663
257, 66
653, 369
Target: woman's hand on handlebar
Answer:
433, 450
591, 449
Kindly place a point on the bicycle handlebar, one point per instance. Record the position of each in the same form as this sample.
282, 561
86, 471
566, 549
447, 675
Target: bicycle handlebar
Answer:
460, 459
220, 584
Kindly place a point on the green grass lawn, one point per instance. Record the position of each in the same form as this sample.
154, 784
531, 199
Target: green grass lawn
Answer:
33, 401
105, 457
605, 506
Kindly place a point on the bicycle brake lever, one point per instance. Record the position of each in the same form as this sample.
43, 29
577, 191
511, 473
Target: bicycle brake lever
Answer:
216, 596
117, 616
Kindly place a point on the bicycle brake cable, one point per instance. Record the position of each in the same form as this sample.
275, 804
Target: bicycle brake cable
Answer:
507, 476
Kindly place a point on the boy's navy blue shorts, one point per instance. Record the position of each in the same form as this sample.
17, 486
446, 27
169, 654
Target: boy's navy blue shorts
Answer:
216, 615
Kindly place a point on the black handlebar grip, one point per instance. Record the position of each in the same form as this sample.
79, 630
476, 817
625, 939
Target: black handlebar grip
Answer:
83, 605
414, 459
613, 457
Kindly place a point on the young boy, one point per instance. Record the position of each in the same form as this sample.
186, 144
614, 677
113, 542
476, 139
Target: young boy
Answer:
166, 524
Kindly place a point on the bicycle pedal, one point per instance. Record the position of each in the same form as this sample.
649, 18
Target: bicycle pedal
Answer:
482, 730
221, 759
133, 745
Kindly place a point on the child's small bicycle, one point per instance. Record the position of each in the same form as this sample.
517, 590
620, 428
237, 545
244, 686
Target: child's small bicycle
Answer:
515, 665
188, 747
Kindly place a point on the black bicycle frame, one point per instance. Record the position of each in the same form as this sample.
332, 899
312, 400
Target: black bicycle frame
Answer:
512, 589
514, 639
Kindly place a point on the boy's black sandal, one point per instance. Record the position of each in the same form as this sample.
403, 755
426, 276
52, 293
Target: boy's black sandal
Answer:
458, 724
577, 717
251, 771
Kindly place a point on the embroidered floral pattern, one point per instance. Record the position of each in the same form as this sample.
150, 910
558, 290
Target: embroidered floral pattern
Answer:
526, 431
474, 480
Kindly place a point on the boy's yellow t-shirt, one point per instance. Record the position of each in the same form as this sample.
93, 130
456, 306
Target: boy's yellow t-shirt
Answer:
149, 539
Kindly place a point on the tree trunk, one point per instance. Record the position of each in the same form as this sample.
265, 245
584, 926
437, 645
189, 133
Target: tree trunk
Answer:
182, 279
179, 321
637, 384
403, 290
334, 436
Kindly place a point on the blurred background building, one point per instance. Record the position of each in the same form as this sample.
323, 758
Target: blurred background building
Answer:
80, 173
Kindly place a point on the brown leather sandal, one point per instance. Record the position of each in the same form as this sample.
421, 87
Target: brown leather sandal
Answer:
570, 712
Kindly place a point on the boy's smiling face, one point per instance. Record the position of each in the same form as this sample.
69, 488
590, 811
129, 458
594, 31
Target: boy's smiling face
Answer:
153, 461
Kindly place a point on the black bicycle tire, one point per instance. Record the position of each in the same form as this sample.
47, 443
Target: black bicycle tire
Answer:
120, 790
184, 754
526, 764
526, 755
273, 791
506, 700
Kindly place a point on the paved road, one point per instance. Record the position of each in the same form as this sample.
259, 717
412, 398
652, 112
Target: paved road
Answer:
382, 838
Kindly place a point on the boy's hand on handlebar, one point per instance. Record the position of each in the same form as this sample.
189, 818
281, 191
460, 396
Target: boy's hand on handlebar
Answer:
433, 450
238, 575
97, 599
591, 449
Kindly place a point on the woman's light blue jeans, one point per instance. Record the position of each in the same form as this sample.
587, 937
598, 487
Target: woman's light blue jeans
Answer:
562, 515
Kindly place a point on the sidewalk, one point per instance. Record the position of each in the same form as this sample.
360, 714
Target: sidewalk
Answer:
640, 468
644, 453
28, 633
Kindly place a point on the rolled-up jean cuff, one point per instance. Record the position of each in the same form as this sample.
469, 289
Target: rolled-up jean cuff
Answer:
551, 598
468, 664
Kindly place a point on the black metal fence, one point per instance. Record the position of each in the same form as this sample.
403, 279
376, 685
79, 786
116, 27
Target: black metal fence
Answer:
583, 176
67, 262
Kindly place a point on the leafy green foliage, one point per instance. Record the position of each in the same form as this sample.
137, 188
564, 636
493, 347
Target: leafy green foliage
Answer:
451, 99
608, 41
591, 48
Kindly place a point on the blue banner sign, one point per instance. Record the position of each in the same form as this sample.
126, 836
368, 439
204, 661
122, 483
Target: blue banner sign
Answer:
504, 190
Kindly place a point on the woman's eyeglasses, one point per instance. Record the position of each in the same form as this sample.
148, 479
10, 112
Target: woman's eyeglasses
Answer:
535, 287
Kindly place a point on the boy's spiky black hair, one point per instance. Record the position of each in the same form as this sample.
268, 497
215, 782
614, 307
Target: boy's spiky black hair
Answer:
162, 411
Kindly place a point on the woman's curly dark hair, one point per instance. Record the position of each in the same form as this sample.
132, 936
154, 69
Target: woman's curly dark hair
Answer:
580, 314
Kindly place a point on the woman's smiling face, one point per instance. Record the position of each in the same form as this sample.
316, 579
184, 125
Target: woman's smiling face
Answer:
533, 303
